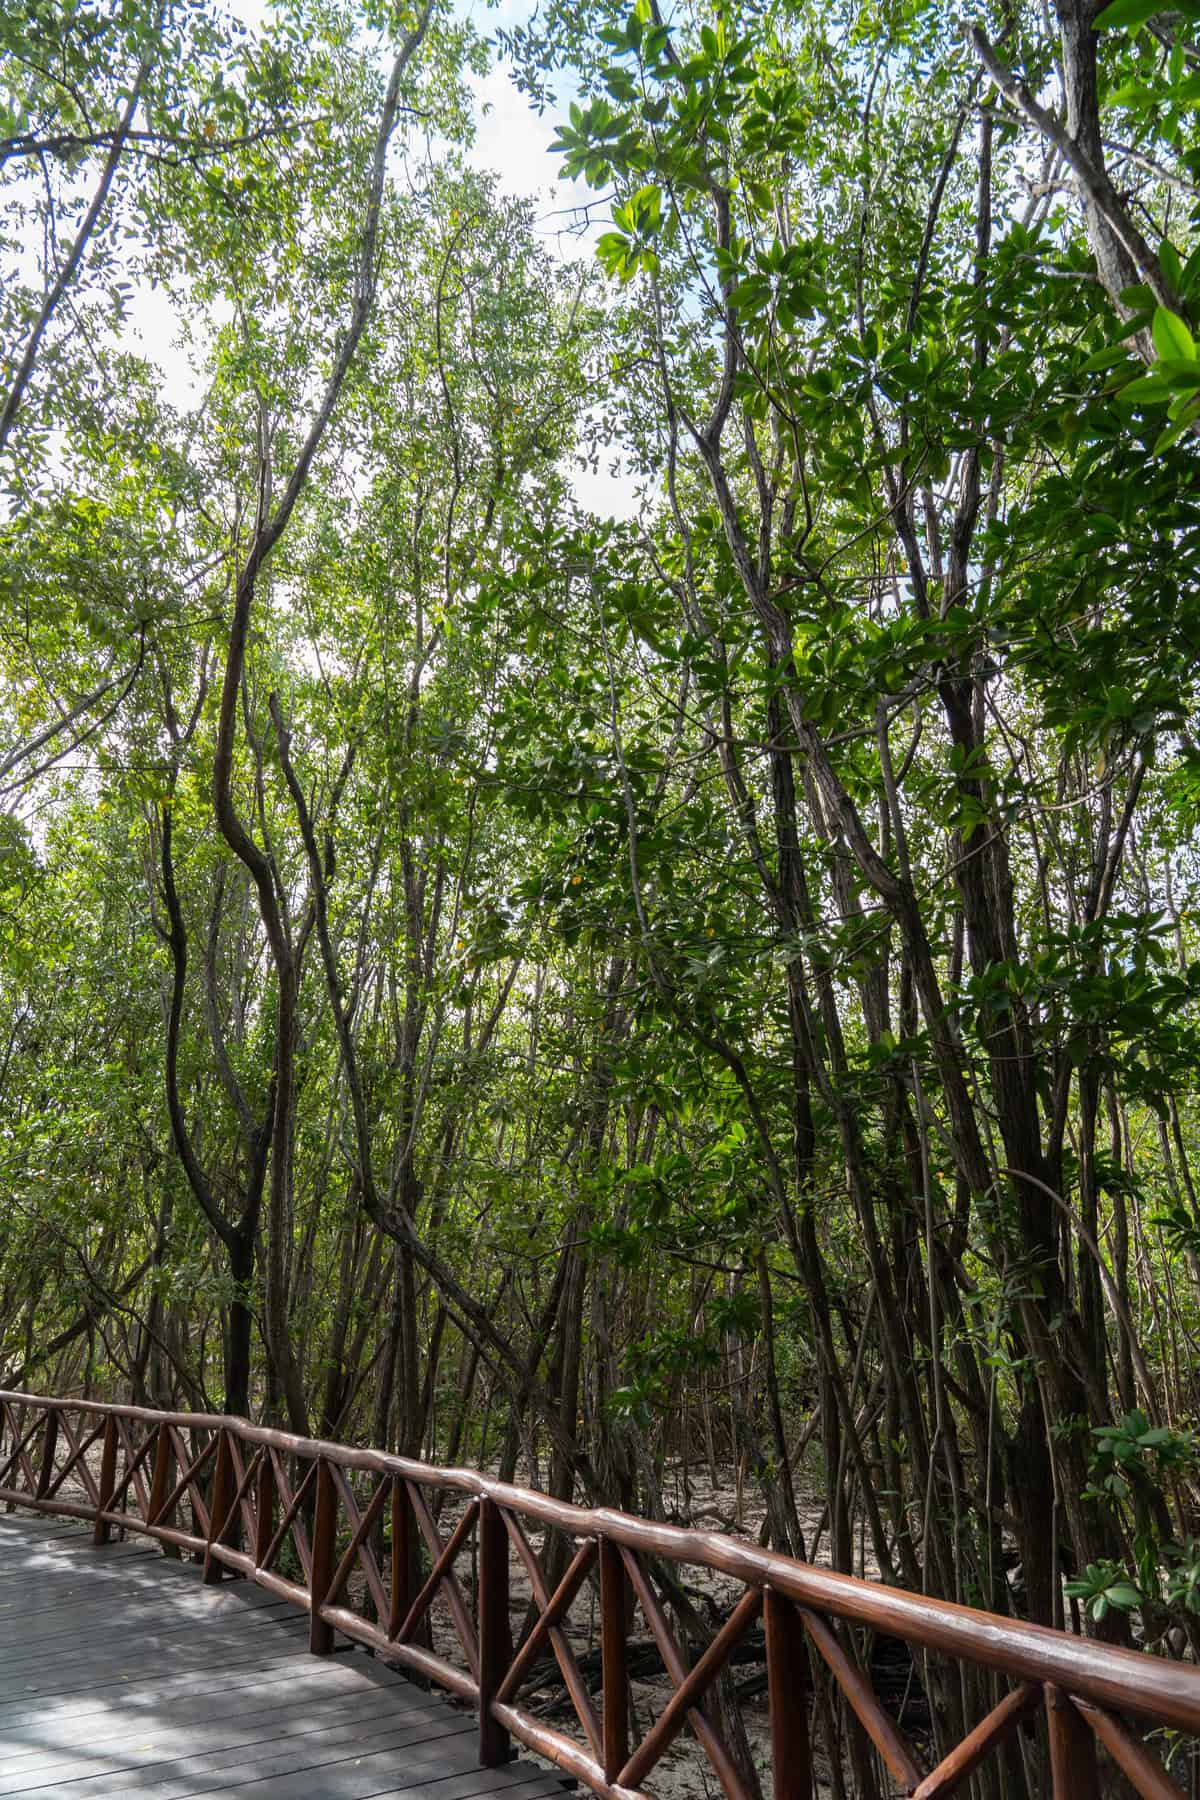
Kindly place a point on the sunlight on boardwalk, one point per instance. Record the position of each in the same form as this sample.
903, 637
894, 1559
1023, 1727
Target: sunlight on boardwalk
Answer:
121, 1674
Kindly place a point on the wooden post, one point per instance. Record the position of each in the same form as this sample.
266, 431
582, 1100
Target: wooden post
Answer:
108, 1479
49, 1445
324, 1547
223, 1490
264, 1508
8, 1427
787, 1699
614, 1674
404, 1557
1073, 1771
495, 1635
160, 1481
160, 1485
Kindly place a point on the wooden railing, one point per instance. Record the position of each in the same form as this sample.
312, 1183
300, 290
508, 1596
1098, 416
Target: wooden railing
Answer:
284, 1512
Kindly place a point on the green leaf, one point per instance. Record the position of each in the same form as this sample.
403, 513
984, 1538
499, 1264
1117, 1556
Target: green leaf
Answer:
1176, 429
1127, 14
1190, 273
1172, 266
1171, 336
1108, 358
1146, 390
1124, 1595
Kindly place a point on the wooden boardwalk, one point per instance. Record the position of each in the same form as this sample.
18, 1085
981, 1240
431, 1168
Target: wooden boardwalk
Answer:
120, 1673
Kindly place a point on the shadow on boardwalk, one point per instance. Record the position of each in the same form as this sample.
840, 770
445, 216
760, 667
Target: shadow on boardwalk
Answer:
121, 1674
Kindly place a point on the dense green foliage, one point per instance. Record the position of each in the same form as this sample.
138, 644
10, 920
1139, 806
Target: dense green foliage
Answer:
630, 1002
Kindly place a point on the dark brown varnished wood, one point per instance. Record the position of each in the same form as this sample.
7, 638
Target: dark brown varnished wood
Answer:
193, 1463
411, 1656
324, 1545
495, 1633
404, 1554
460, 1612
564, 1656
1074, 1774
158, 1511
349, 1555
242, 1522
49, 1441
549, 1617
75, 1462
787, 1694
108, 1479
264, 1510
705, 1732
186, 1484
362, 1549
439, 1572
160, 1481
1147, 1776
222, 1506
691, 1690
291, 1521
23, 1433
1123, 1681
614, 1592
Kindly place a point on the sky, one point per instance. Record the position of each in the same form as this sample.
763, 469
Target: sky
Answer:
513, 142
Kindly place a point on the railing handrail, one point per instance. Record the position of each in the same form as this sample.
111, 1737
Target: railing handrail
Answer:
1151, 1687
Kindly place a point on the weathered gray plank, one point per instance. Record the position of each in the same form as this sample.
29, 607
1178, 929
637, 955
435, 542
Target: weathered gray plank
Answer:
226, 1682
311, 1766
122, 1621
115, 1689
519, 1782
108, 1681
55, 1528
139, 1654
76, 1614
363, 1783
161, 1754
321, 1696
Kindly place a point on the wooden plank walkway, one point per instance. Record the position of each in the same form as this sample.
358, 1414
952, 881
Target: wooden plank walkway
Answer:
120, 1673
